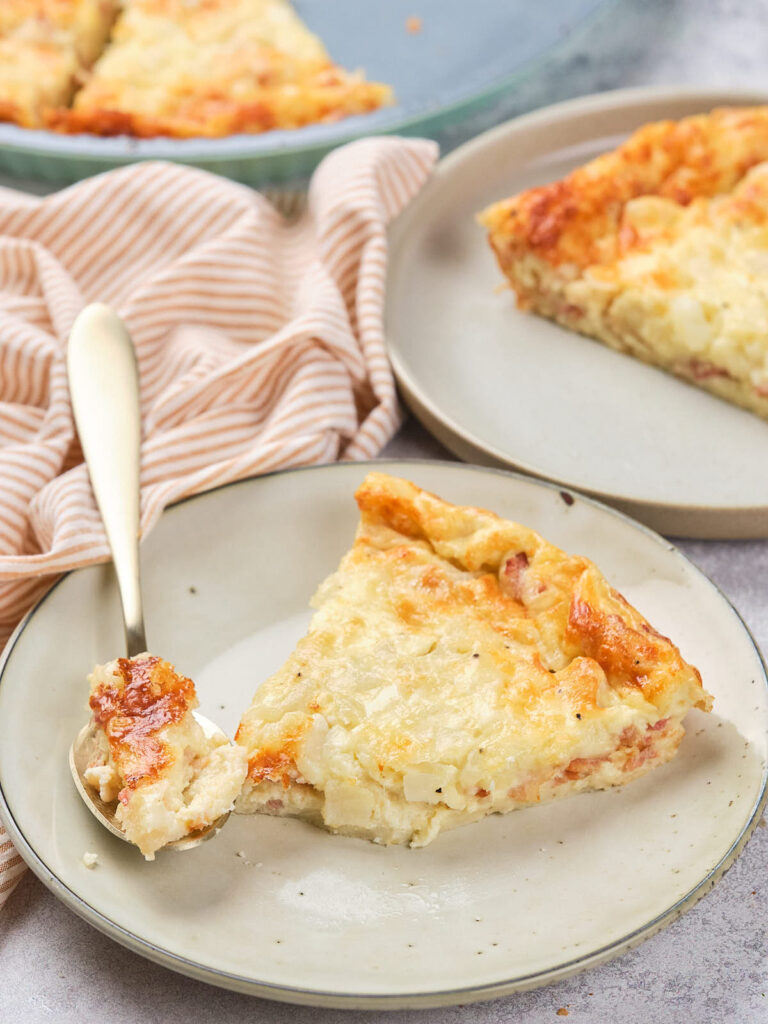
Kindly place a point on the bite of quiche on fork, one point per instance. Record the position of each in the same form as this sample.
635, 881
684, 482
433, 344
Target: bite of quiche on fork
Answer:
151, 755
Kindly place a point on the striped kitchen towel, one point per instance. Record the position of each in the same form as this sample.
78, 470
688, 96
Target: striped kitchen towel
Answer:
259, 340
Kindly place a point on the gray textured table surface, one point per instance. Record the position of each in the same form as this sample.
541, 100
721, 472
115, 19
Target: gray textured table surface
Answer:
712, 964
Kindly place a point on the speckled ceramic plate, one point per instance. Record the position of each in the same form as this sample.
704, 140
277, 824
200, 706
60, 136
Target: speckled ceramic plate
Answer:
505, 904
507, 388
455, 63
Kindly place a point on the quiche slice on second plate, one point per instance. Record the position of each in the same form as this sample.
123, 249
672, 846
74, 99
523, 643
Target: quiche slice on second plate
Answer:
658, 249
458, 665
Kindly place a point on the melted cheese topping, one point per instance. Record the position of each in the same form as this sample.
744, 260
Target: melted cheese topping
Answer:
212, 67
169, 778
458, 665
659, 249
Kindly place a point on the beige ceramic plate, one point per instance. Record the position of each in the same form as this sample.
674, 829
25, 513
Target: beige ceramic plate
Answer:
508, 903
506, 388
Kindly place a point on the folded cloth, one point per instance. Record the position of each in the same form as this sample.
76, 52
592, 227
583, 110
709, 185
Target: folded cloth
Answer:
259, 341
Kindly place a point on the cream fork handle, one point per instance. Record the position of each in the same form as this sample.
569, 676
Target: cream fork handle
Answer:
104, 389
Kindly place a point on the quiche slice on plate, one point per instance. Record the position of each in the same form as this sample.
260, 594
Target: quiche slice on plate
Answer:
458, 665
658, 249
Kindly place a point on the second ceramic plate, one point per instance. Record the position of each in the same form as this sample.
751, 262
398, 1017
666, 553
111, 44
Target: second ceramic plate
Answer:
281, 909
506, 388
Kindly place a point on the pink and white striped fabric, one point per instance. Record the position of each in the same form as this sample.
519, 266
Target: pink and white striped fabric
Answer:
259, 341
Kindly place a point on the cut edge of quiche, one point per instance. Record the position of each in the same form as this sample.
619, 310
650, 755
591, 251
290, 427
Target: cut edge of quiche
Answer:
658, 249
458, 665
152, 757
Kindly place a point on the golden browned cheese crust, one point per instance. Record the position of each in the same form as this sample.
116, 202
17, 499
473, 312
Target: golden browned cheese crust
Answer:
458, 665
658, 249
293, 98
135, 708
579, 220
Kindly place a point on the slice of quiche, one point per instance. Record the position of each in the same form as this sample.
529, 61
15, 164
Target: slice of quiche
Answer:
152, 756
458, 665
46, 47
658, 249
214, 67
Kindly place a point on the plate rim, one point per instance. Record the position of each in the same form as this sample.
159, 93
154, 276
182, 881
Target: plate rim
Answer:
748, 521
396, 1000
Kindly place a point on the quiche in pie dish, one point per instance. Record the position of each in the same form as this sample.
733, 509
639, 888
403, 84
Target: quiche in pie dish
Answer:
458, 665
658, 249
175, 67
153, 757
